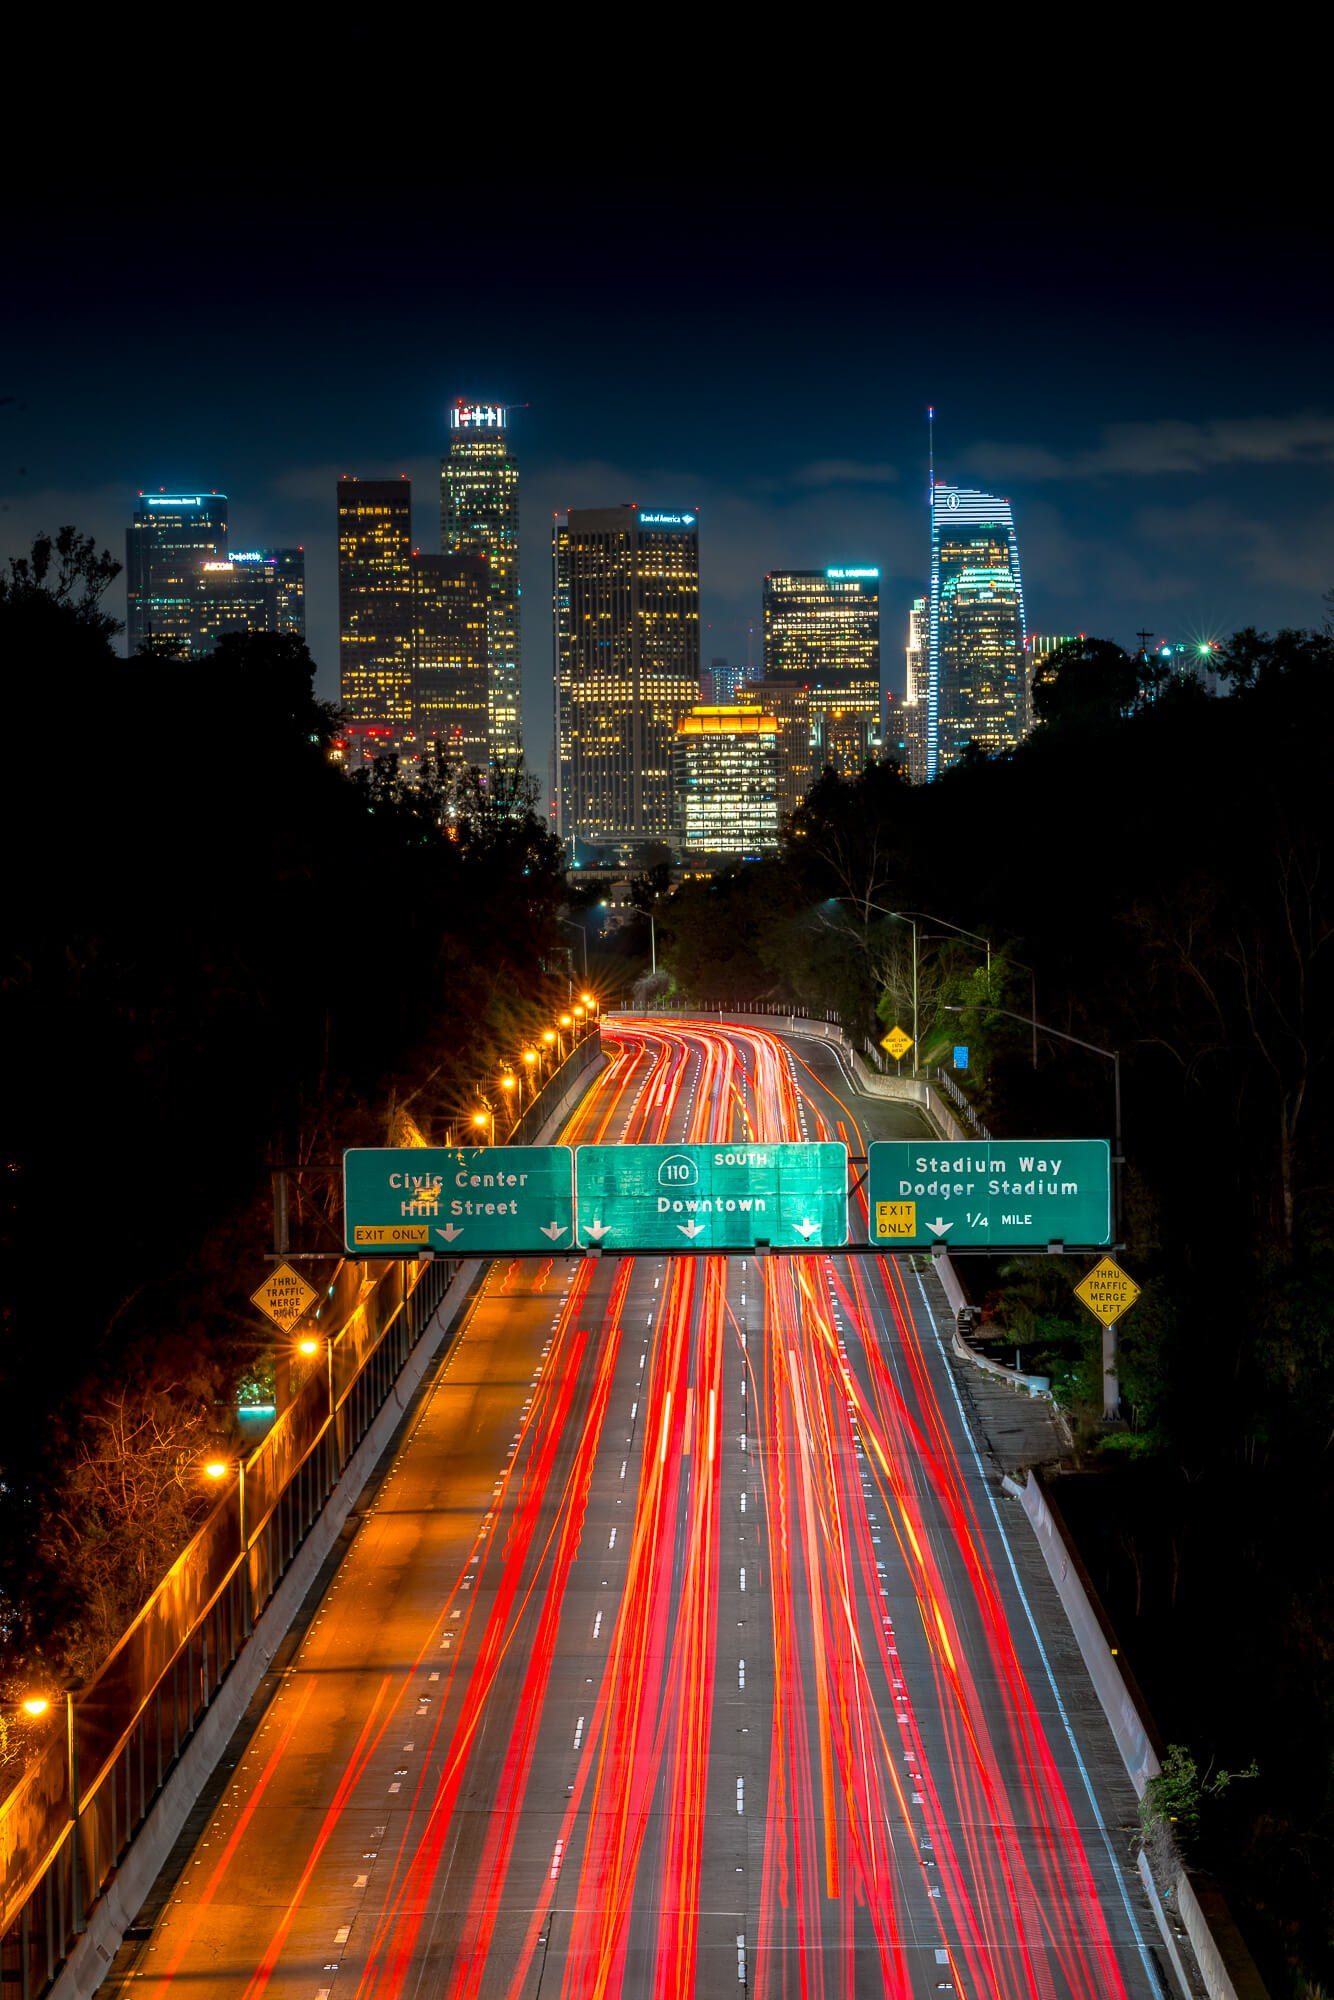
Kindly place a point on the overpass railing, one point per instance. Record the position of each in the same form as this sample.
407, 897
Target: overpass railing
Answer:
75, 1809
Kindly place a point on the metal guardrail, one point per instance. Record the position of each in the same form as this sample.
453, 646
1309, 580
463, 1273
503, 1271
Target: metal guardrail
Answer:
792, 1010
130, 1724
526, 1127
961, 1104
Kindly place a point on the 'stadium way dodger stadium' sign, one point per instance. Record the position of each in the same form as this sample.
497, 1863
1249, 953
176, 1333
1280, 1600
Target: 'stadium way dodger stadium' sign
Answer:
1001, 1193
474, 1200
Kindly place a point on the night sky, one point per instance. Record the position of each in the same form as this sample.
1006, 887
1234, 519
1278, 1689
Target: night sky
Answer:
1144, 369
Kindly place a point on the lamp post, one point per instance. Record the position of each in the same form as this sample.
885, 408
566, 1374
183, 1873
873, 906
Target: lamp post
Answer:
550, 1038
1111, 1389
217, 1470
309, 1346
592, 1003
35, 1706
582, 928
481, 1118
508, 1083
531, 1059
652, 942
901, 917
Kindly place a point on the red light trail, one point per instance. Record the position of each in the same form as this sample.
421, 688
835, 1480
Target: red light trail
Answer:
724, 1686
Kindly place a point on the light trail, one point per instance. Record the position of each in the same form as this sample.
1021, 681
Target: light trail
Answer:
803, 1753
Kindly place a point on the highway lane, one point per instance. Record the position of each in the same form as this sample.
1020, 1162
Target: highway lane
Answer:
684, 1650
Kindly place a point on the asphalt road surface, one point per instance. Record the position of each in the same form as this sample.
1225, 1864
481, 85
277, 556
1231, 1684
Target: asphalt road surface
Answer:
687, 1649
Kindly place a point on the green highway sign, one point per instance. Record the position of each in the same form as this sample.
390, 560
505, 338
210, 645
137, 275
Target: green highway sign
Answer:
475, 1200
726, 1196
992, 1193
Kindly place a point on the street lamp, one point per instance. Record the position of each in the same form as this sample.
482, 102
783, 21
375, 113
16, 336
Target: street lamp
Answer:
480, 1119
1111, 1394
549, 1036
899, 917
582, 928
530, 1062
590, 1001
508, 1081
35, 1706
217, 1469
308, 1347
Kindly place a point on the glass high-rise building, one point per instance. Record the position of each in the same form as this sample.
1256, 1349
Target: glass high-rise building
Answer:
726, 781
450, 686
251, 590
917, 690
978, 688
789, 703
626, 604
375, 601
822, 628
479, 516
171, 536
722, 683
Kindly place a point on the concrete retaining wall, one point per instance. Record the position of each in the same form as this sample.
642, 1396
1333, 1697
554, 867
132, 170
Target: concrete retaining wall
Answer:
89, 1959
1188, 1904
87, 1964
902, 1089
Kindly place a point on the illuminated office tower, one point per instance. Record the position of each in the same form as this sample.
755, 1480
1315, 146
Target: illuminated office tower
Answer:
726, 781
171, 536
722, 683
375, 601
978, 688
449, 694
789, 703
626, 602
822, 627
917, 690
252, 590
479, 516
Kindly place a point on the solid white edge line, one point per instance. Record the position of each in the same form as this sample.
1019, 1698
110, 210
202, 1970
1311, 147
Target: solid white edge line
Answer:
1146, 1957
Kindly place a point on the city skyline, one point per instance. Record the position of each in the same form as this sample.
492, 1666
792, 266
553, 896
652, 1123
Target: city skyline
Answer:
1153, 400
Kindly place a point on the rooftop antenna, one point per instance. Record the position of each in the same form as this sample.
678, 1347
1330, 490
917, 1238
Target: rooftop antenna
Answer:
930, 455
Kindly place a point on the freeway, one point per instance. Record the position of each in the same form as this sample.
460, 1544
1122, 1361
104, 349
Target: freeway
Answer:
684, 1649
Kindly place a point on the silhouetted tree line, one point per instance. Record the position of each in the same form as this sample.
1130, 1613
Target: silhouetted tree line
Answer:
220, 952
1154, 865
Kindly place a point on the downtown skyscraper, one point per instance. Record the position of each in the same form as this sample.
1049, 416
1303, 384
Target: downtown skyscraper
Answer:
822, 631
977, 685
625, 590
375, 602
479, 517
171, 537
185, 589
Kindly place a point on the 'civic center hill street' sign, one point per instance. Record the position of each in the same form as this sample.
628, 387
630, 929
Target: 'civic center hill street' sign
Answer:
478, 1201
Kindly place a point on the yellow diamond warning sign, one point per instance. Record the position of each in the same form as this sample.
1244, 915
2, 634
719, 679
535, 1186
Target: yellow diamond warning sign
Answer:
1107, 1291
284, 1297
895, 1218
897, 1043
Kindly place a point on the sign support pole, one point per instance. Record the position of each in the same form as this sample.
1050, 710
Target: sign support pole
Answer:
1111, 1386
